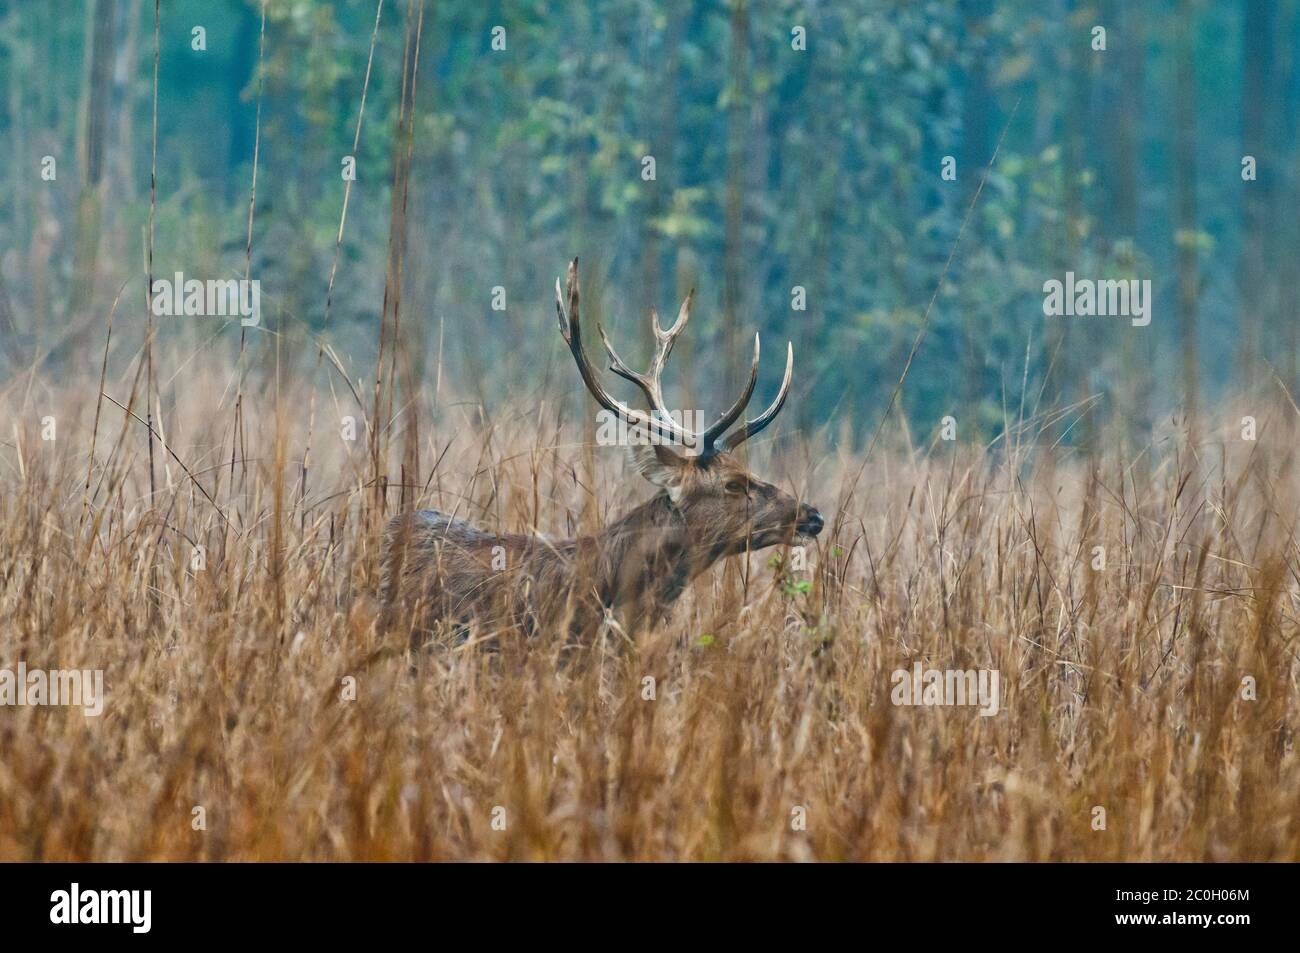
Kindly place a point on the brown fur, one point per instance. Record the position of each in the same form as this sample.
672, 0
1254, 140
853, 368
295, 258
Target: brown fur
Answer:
636, 568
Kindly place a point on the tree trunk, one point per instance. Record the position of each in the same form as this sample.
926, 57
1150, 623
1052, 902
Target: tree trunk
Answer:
1185, 227
1257, 91
101, 16
733, 253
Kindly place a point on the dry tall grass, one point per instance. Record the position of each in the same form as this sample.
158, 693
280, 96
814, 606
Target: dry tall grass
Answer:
1121, 688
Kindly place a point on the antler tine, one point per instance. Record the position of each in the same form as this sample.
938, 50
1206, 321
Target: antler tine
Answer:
621, 368
667, 338
650, 383
732, 414
664, 341
766, 417
571, 331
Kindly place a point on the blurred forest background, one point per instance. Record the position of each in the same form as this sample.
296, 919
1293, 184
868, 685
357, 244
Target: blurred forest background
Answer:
774, 167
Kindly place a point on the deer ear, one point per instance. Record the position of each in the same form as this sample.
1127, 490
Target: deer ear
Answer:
660, 465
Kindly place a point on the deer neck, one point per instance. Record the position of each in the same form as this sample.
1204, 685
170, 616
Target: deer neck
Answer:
651, 553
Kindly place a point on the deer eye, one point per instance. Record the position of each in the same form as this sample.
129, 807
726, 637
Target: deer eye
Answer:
737, 487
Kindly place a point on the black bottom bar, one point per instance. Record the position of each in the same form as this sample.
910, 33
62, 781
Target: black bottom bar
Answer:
333, 903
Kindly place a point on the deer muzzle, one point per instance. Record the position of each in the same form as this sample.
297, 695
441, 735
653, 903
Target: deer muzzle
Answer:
810, 521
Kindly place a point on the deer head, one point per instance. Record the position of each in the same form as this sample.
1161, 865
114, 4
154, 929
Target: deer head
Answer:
726, 508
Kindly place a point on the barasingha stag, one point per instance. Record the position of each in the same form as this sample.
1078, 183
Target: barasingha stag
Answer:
709, 506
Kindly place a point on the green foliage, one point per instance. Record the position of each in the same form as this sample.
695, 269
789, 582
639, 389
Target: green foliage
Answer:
521, 158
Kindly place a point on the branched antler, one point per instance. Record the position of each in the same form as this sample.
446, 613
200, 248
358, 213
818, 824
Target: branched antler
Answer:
658, 421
